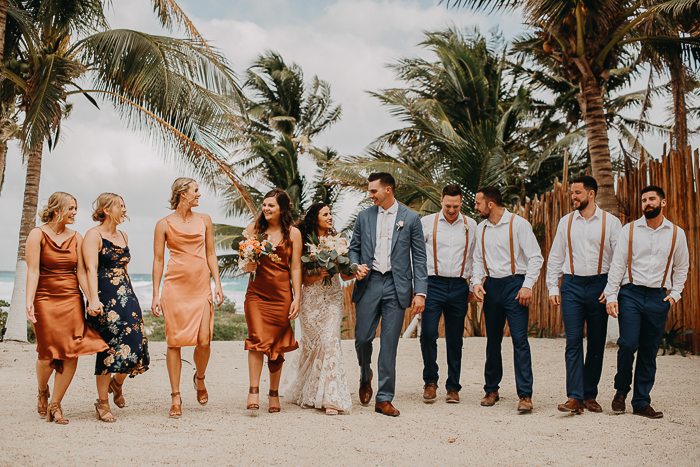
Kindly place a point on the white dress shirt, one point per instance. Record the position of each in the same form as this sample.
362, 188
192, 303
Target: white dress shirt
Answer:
391, 228
528, 257
451, 239
585, 244
650, 251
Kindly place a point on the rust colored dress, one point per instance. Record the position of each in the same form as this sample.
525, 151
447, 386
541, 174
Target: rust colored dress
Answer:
267, 303
61, 329
186, 292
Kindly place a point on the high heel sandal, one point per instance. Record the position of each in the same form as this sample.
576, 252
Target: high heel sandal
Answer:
176, 409
41, 407
272, 409
331, 412
253, 390
116, 388
202, 394
102, 410
54, 413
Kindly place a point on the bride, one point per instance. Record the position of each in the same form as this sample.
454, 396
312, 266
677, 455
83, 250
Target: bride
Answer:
318, 371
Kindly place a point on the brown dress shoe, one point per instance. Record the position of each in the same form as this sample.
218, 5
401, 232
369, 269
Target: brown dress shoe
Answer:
452, 397
572, 405
592, 406
429, 392
365, 391
386, 408
490, 399
618, 403
525, 404
648, 412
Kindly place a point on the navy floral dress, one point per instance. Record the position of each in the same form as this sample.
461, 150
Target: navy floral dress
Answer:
121, 323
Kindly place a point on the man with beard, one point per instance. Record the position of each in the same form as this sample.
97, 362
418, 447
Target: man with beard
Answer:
507, 262
646, 278
581, 252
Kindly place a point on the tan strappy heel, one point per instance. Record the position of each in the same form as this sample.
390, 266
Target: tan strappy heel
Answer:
54, 413
253, 390
116, 388
272, 409
42, 406
202, 395
176, 409
103, 411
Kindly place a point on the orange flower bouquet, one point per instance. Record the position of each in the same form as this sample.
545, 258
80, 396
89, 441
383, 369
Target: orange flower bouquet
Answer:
252, 248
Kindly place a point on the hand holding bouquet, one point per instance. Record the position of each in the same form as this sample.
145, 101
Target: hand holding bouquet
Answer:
252, 248
331, 253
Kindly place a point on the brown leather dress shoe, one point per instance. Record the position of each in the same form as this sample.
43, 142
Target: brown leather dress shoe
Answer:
525, 404
386, 408
571, 405
429, 392
452, 397
490, 399
592, 406
618, 403
365, 391
648, 412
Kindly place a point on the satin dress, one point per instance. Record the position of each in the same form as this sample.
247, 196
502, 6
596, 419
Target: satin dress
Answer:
186, 292
61, 329
267, 303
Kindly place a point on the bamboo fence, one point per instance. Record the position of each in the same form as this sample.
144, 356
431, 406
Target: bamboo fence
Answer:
677, 173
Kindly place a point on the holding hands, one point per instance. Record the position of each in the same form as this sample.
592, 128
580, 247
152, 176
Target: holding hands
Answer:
362, 271
95, 308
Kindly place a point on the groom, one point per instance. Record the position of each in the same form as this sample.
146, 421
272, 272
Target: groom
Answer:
388, 244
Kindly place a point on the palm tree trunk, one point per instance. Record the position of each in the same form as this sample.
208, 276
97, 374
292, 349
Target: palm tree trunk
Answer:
679, 88
3, 163
598, 147
16, 319
3, 20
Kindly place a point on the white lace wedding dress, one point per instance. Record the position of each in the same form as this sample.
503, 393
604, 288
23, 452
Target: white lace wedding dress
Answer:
316, 375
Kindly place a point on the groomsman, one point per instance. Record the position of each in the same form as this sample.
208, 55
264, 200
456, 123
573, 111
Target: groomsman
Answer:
449, 243
646, 278
581, 252
507, 262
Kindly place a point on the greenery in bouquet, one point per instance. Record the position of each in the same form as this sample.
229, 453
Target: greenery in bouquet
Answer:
329, 252
251, 249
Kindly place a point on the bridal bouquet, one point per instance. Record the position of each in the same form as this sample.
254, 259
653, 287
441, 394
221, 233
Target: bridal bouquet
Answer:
252, 248
329, 252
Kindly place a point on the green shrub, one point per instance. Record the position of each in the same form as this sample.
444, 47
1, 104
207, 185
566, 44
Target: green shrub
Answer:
4, 303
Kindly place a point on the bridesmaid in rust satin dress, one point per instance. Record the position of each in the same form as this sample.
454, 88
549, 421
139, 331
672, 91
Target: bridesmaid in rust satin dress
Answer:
55, 304
186, 301
269, 301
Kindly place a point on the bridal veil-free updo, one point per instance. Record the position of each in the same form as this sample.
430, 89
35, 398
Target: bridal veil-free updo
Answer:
180, 186
58, 204
103, 203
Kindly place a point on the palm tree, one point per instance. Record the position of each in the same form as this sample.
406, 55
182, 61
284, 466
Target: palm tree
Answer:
178, 91
585, 40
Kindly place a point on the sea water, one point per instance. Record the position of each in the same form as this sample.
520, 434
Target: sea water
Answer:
234, 289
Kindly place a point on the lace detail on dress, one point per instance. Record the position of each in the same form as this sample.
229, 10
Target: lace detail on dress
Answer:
316, 375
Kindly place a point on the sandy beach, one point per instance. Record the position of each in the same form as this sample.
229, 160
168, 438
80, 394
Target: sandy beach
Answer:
224, 433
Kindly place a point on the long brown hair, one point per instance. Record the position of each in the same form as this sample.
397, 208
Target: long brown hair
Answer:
309, 224
285, 204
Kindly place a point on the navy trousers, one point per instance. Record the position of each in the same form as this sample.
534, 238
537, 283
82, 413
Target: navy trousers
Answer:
579, 307
642, 318
448, 296
379, 300
500, 305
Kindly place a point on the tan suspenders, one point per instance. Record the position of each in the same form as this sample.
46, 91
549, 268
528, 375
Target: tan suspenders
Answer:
602, 245
512, 253
466, 245
668, 262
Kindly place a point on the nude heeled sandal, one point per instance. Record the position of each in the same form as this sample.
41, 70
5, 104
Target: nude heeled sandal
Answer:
176, 409
253, 390
202, 394
54, 413
42, 407
272, 409
116, 388
103, 411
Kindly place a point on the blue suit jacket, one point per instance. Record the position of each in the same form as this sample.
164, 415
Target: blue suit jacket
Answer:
408, 259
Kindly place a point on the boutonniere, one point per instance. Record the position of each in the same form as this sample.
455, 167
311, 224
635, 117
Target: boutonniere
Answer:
399, 224
466, 227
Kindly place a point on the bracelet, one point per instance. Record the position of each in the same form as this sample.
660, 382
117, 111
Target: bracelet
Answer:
313, 272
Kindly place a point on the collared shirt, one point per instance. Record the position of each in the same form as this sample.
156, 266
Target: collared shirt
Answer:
528, 257
391, 228
585, 244
451, 239
650, 251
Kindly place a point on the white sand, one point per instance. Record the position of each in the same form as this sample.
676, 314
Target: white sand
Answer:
224, 433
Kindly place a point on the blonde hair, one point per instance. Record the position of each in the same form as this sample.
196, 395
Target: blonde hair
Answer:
104, 202
180, 186
58, 204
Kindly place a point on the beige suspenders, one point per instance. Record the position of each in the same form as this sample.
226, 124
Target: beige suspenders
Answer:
602, 245
668, 262
466, 245
512, 253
